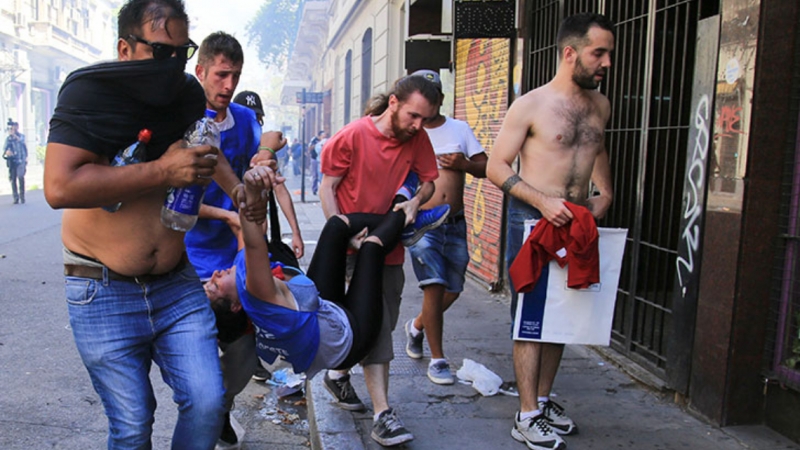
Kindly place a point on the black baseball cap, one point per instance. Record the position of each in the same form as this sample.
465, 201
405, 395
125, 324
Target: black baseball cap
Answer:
251, 100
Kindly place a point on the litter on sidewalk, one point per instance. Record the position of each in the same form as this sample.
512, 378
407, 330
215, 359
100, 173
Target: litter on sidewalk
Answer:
287, 382
483, 380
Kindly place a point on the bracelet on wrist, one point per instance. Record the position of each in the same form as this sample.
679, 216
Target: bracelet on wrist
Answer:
263, 147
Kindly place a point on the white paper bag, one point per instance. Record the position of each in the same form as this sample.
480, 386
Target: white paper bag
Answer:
554, 313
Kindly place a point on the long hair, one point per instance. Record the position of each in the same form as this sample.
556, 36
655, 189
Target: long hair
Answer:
402, 90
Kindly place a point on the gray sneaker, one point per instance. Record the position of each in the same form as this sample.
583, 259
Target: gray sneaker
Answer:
413, 344
439, 373
537, 434
389, 430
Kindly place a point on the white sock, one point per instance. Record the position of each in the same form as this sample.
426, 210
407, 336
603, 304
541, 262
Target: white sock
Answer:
413, 330
435, 360
336, 375
528, 414
375, 417
543, 399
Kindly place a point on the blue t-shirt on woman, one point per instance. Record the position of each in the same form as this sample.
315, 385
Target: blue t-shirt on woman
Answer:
295, 334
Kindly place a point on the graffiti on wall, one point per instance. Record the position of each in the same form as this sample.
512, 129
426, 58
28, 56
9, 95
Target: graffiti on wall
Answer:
693, 201
482, 71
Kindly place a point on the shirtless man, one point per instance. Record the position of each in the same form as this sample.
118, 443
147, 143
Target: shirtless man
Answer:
558, 132
440, 257
132, 296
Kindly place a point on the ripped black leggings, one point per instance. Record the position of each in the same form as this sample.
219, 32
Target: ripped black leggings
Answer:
363, 299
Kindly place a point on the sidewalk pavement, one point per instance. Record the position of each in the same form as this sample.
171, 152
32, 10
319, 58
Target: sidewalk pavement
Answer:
611, 409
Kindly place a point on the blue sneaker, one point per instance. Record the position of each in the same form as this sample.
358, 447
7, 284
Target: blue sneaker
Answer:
427, 219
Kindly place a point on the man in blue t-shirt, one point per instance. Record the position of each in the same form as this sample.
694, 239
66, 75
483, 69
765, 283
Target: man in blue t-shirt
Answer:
212, 244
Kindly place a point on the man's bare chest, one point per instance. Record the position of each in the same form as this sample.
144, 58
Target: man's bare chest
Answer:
572, 125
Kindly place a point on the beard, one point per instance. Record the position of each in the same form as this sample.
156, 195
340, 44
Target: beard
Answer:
585, 78
400, 133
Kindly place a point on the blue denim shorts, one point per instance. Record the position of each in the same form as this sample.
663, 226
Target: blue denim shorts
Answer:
518, 213
441, 256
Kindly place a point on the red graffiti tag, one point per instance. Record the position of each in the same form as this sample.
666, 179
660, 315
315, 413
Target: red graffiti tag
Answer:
728, 120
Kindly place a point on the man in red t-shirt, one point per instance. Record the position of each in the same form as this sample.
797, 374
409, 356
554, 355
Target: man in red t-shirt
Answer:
364, 165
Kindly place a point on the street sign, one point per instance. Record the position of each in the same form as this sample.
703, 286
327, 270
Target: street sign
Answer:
309, 97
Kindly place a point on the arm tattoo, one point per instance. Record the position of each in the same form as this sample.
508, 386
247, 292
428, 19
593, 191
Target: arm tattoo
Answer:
510, 183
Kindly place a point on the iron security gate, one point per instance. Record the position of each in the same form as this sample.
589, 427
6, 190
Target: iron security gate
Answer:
649, 86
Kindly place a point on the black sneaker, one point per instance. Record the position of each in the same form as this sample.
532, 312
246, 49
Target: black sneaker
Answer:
228, 436
261, 373
346, 397
389, 430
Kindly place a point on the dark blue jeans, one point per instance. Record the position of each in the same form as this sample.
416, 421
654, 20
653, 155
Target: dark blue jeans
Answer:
518, 213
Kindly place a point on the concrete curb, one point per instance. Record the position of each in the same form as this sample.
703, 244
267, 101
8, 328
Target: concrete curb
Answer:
331, 427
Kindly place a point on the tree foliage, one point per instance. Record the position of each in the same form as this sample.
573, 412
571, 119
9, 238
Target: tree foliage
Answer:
273, 30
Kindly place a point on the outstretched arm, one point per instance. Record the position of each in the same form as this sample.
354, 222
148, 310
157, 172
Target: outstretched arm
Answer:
259, 280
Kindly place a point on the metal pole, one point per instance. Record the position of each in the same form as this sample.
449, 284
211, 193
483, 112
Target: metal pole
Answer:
303, 148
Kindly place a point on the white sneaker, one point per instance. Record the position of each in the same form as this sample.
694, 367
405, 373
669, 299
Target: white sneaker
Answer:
559, 422
537, 434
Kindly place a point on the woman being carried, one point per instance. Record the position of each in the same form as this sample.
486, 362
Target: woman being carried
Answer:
311, 320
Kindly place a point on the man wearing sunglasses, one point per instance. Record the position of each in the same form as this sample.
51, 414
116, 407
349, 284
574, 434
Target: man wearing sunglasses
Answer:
132, 297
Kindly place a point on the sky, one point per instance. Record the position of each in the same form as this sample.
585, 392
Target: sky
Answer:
232, 16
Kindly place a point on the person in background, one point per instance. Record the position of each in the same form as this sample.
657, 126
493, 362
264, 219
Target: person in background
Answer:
267, 151
15, 152
440, 257
297, 157
314, 149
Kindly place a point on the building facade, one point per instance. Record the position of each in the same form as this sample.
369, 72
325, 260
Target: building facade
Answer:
703, 143
41, 42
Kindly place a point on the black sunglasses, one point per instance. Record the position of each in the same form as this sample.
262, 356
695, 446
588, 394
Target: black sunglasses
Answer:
164, 51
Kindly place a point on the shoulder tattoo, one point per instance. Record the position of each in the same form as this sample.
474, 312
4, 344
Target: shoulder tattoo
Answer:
510, 183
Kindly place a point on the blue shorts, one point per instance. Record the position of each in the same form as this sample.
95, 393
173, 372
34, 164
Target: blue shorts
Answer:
518, 213
441, 256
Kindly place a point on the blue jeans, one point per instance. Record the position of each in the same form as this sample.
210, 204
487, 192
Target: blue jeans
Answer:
121, 327
518, 213
315, 176
441, 256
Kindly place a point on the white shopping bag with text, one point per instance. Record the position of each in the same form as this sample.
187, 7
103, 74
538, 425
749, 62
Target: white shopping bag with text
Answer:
554, 313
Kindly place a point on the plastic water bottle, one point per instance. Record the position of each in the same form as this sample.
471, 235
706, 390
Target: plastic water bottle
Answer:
183, 204
131, 155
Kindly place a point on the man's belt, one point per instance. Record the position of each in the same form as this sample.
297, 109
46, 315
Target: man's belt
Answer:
458, 217
96, 273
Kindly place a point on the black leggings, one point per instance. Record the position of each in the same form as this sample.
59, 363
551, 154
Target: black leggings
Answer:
363, 299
